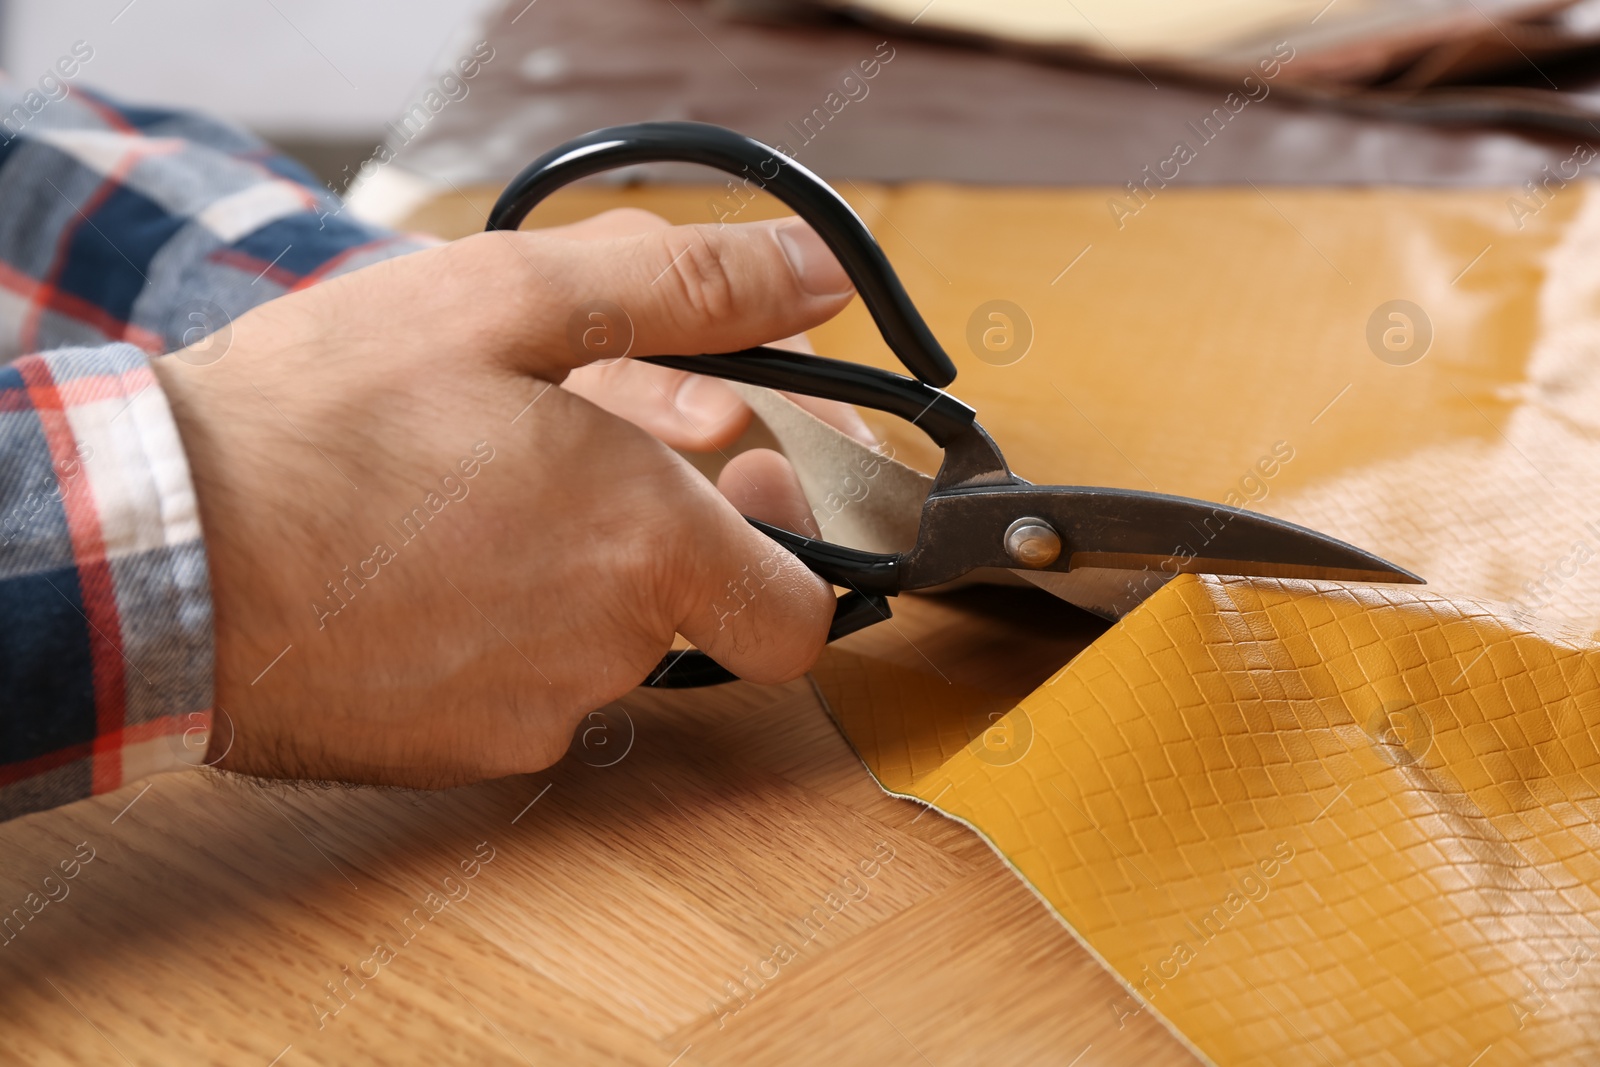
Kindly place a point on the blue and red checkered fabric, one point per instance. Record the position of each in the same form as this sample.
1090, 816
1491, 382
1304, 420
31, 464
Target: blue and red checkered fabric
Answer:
125, 233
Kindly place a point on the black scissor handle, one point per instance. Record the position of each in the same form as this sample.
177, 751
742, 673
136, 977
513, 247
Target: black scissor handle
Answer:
970, 455
870, 576
902, 326
693, 669
941, 416
873, 573
938, 414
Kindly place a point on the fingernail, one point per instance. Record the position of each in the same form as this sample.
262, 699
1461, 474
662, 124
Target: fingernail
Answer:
813, 263
706, 402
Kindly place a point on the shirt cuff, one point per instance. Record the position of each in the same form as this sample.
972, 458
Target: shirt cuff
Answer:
105, 600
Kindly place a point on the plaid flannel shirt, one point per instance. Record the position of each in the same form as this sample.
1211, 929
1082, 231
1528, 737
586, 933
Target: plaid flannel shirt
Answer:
125, 233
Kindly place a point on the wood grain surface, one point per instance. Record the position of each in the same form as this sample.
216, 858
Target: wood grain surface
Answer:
708, 878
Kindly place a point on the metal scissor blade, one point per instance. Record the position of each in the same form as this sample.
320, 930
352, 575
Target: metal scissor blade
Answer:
1125, 529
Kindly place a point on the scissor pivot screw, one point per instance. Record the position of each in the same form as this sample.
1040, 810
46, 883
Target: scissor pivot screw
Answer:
1032, 543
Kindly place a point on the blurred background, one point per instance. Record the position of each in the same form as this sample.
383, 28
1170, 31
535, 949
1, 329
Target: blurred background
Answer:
318, 77
1452, 92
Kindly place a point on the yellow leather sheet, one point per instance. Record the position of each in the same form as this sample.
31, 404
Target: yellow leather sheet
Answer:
1289, 822
1303, 823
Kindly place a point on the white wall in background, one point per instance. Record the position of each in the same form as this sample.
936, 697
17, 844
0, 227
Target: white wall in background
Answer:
307, 67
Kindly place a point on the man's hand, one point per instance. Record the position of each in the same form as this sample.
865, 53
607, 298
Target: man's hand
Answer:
687, 411
428, 559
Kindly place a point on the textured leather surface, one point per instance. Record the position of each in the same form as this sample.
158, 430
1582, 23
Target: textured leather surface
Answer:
1300, 821
1306, 822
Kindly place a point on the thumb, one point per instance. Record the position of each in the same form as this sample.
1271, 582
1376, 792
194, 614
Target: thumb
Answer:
682, 290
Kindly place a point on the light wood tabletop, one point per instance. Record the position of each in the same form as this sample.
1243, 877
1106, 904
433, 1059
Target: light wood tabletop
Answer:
710, 877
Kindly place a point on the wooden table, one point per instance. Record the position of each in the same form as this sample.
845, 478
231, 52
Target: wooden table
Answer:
709, 878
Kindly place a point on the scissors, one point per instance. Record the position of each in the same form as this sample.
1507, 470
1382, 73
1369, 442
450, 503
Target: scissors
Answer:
977, 514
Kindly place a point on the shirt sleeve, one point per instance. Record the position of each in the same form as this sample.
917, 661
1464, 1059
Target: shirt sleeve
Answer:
105, 608
125, 233
154, 227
